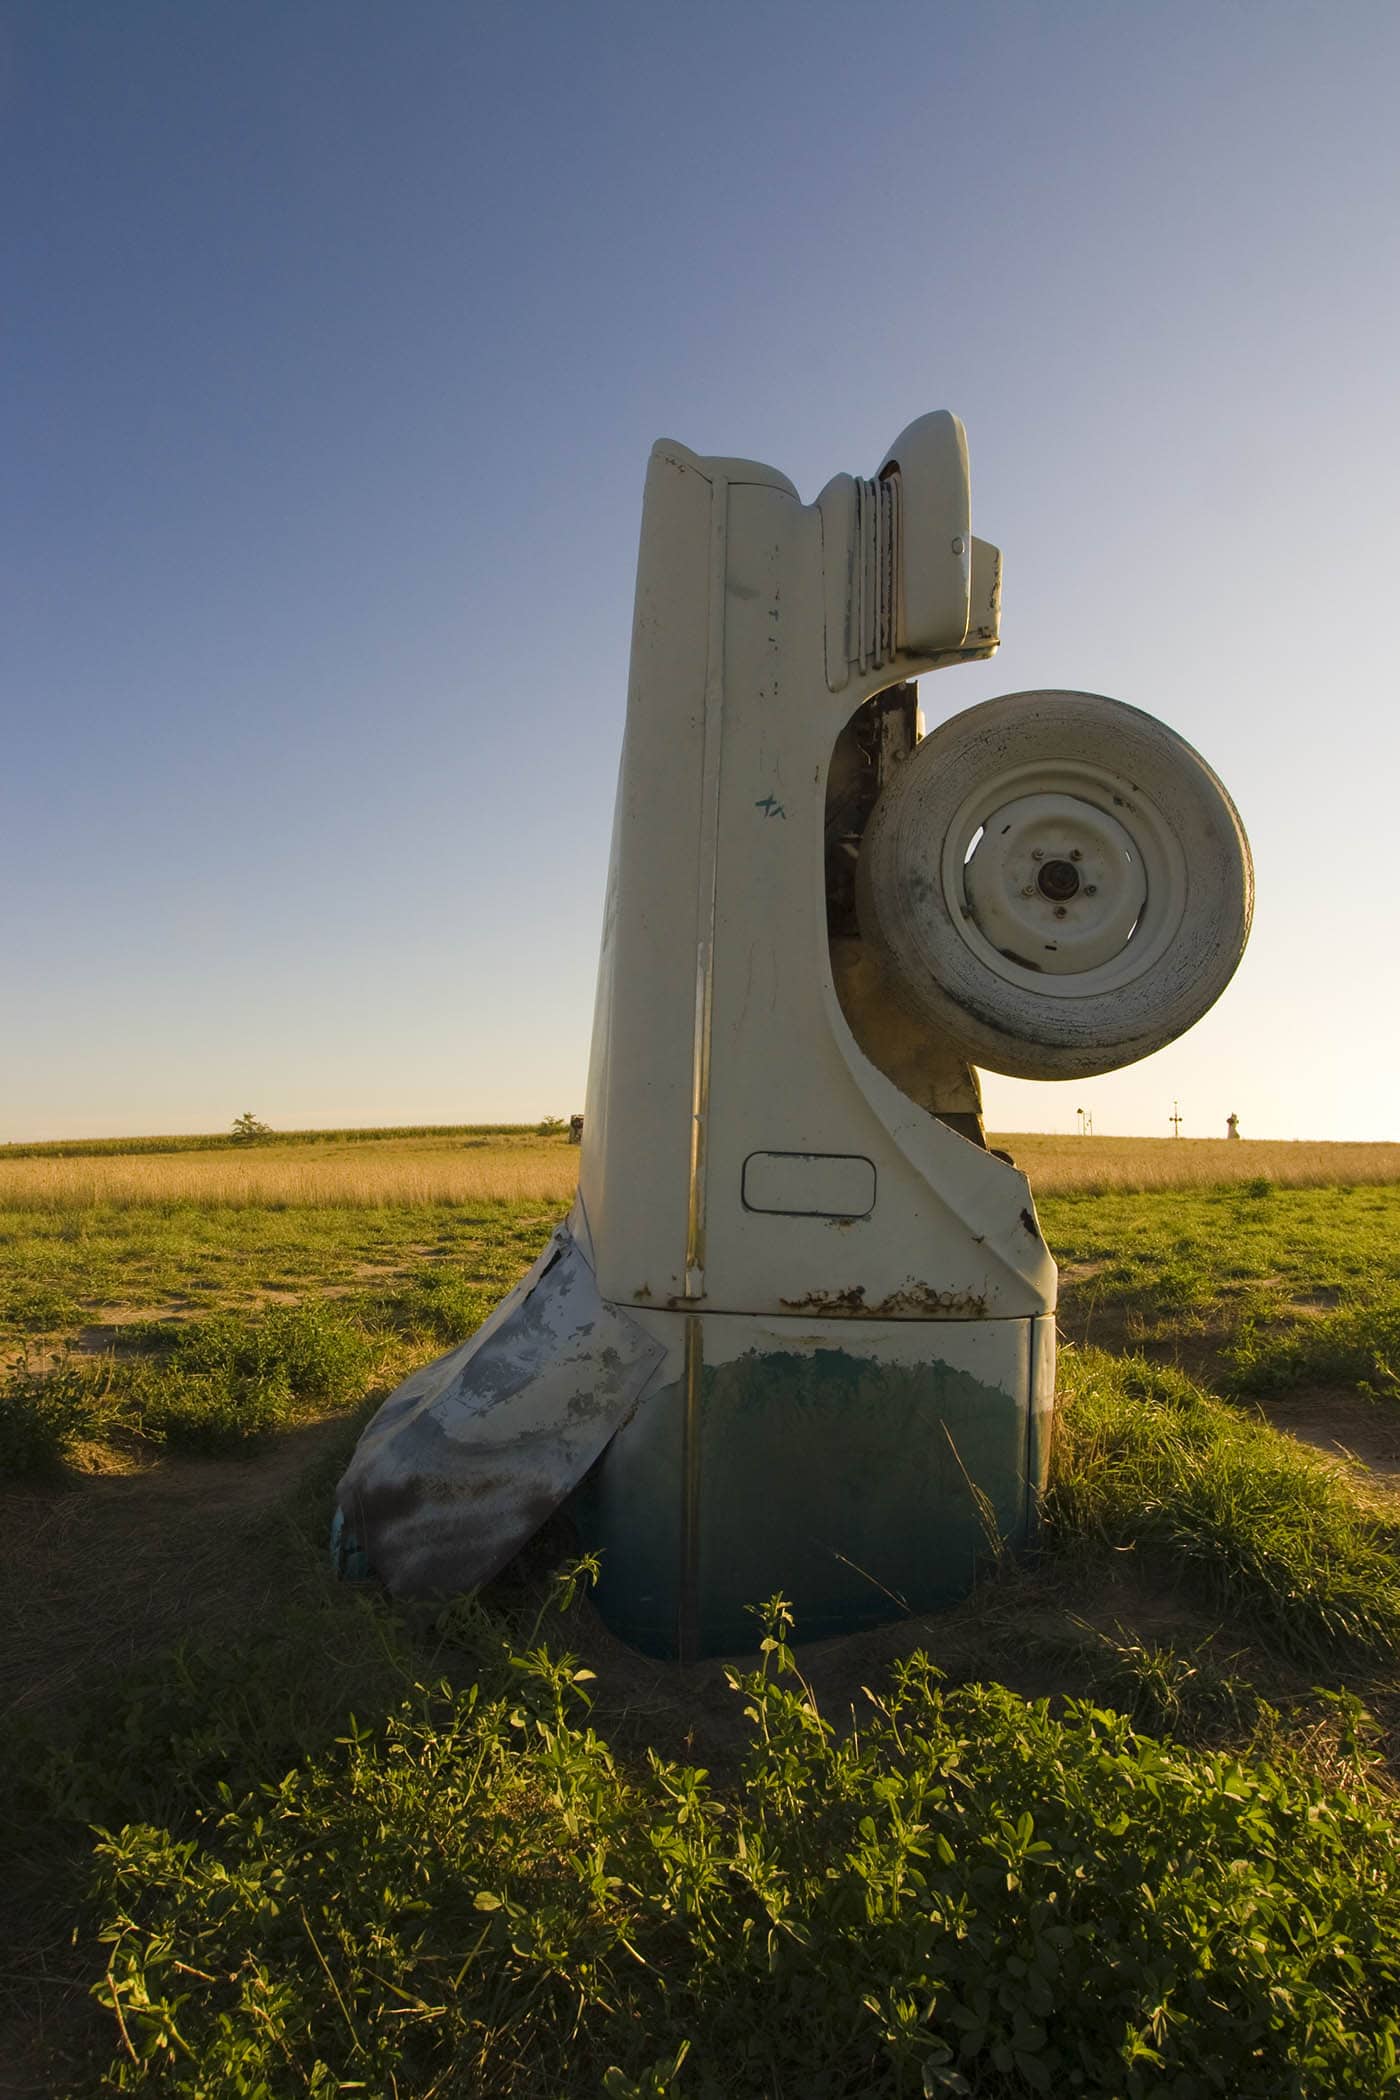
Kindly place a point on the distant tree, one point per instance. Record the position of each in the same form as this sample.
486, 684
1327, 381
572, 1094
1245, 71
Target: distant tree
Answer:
549, 1126
247, 1129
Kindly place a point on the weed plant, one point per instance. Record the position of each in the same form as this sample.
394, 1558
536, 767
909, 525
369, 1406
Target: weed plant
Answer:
967, 1894
44, 1411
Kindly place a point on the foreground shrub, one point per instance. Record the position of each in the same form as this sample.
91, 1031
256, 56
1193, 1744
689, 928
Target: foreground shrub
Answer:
967, 1896
216, 1412
1241, 1516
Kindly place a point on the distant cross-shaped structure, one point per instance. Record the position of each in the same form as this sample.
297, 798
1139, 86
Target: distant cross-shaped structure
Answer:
1175, 1120
1232, 1126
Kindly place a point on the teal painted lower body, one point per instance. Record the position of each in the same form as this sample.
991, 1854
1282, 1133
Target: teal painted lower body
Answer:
862, 1476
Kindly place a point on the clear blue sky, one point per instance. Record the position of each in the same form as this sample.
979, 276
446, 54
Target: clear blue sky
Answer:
335, 338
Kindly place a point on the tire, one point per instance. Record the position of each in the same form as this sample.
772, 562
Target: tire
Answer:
1057, 882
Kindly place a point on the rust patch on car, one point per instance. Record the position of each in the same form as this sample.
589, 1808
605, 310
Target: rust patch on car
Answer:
912, 1301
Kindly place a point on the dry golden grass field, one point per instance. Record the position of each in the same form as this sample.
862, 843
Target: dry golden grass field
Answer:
524, 1167
1059, 1165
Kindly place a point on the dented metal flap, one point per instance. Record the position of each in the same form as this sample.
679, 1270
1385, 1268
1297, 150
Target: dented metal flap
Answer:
469, 1457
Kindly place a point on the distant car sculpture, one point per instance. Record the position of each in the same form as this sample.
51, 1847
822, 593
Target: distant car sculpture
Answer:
797, 1332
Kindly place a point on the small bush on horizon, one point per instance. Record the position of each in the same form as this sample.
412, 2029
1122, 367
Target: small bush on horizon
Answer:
247, 1129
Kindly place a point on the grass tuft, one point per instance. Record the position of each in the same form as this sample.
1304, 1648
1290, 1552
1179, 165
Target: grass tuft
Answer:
314, 1349
216, 1385
440, 1304
1235, 1513
1354, 1346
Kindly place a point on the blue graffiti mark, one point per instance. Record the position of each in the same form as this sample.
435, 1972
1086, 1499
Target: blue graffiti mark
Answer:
771, 807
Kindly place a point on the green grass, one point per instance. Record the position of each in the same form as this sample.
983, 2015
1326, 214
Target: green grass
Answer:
221, 1370
220, 1384
1241, 1273
390, 1851
1356, 1346
226, 1381
1216, 1266
968, 1894
1246, 1521
59, 1270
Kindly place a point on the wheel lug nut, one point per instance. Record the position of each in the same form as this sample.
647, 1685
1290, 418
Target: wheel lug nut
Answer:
1075, 854
1037, 853
1059, 911
1091, 889
1028, 889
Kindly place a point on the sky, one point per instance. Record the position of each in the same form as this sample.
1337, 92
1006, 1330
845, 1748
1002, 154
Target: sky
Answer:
335, 337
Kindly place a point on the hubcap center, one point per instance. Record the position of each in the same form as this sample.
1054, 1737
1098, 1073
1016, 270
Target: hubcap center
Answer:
1058, 880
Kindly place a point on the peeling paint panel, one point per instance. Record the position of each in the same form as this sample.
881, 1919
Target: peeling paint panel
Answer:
472, 1453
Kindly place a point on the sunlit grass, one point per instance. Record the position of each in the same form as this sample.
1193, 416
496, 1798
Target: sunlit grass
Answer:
1147, 1464
1057, 1165
339, 1174
341, 1170
1251, 1259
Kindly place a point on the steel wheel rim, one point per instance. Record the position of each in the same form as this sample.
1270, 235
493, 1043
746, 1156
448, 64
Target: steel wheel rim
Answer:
1118, 921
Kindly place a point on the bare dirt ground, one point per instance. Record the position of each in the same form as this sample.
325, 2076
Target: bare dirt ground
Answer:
103, 1567
1343, 1426
118, 1560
